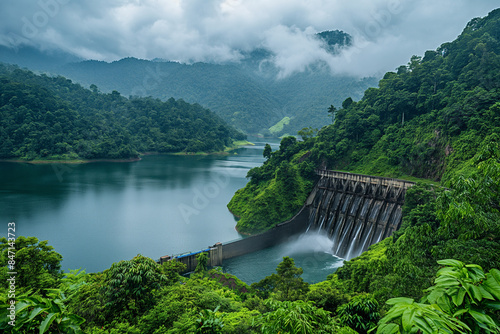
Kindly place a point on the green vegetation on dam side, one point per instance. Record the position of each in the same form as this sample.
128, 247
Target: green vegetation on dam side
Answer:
437, 118
431, 119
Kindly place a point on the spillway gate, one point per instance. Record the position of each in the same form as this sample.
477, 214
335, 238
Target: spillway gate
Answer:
356, 210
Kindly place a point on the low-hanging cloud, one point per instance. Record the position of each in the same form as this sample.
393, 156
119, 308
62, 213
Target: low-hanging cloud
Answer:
386, 32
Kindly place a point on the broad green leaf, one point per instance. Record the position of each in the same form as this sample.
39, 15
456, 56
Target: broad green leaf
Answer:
495, 273
407, 319
399, 300
483, 318
21, 306
44, 326
451, 263
388, 329
445, 271
444, 281
493, 305
467, 288
492, 286
74, 319
36, 311
444, 304
434, 295
476, 292
460, 297
391, 315
476, 273
423, 325
485, 293
460, 312
474, 266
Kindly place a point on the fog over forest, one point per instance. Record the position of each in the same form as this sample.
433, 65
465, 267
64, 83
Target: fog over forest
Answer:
386, 32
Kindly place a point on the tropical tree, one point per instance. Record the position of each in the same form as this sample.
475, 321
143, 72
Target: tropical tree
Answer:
129, 285
171, 269
471, 209
331, 112
286, 284
43, 314
298, 317
267, 151
307, 133
37, 265
201, 266
360, 314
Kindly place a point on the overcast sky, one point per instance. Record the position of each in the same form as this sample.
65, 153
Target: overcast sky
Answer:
387, 32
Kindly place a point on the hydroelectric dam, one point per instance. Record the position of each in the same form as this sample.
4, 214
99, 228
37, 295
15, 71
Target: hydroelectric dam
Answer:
353, 210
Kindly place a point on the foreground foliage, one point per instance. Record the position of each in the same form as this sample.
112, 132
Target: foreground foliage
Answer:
462, 299
49, 314
438, 274
141, 296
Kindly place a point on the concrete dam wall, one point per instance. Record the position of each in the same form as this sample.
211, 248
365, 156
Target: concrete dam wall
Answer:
223, 251
354, 210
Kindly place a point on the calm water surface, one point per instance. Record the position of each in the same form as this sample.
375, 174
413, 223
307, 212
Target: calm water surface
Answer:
99, 213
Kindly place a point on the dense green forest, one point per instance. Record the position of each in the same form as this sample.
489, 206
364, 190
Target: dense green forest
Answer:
437, 274
51, 118
247, 95
427, 120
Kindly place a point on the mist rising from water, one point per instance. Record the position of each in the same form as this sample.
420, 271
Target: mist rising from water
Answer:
312, 251
314, 243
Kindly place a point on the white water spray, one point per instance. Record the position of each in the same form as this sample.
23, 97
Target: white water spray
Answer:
309, 243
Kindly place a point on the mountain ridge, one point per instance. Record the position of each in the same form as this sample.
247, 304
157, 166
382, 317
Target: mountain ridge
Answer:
247, 95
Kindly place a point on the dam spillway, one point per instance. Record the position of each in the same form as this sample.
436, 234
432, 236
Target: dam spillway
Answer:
355, 210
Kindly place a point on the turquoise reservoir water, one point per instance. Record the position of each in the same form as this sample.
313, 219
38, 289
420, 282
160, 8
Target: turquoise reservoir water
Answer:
98, 213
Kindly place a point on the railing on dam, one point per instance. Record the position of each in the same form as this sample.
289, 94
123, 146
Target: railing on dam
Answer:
385, 181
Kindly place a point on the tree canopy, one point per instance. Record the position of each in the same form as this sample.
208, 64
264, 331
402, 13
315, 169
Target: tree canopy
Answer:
51, 118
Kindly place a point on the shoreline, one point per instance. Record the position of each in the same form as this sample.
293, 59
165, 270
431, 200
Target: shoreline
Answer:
77, 161
236, 226
85, 161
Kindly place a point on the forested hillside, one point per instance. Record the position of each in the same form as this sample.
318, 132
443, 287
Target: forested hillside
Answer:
427, 120
247, 95
44, 117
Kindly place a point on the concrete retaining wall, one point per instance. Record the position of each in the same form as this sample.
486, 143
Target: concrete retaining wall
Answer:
276, 235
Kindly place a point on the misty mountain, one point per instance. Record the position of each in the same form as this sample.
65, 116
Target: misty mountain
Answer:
249, 95
33, 58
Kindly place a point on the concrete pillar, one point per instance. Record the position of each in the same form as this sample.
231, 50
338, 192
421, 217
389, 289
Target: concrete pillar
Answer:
215, 254
164, 259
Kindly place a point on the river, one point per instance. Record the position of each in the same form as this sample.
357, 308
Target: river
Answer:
98, 213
